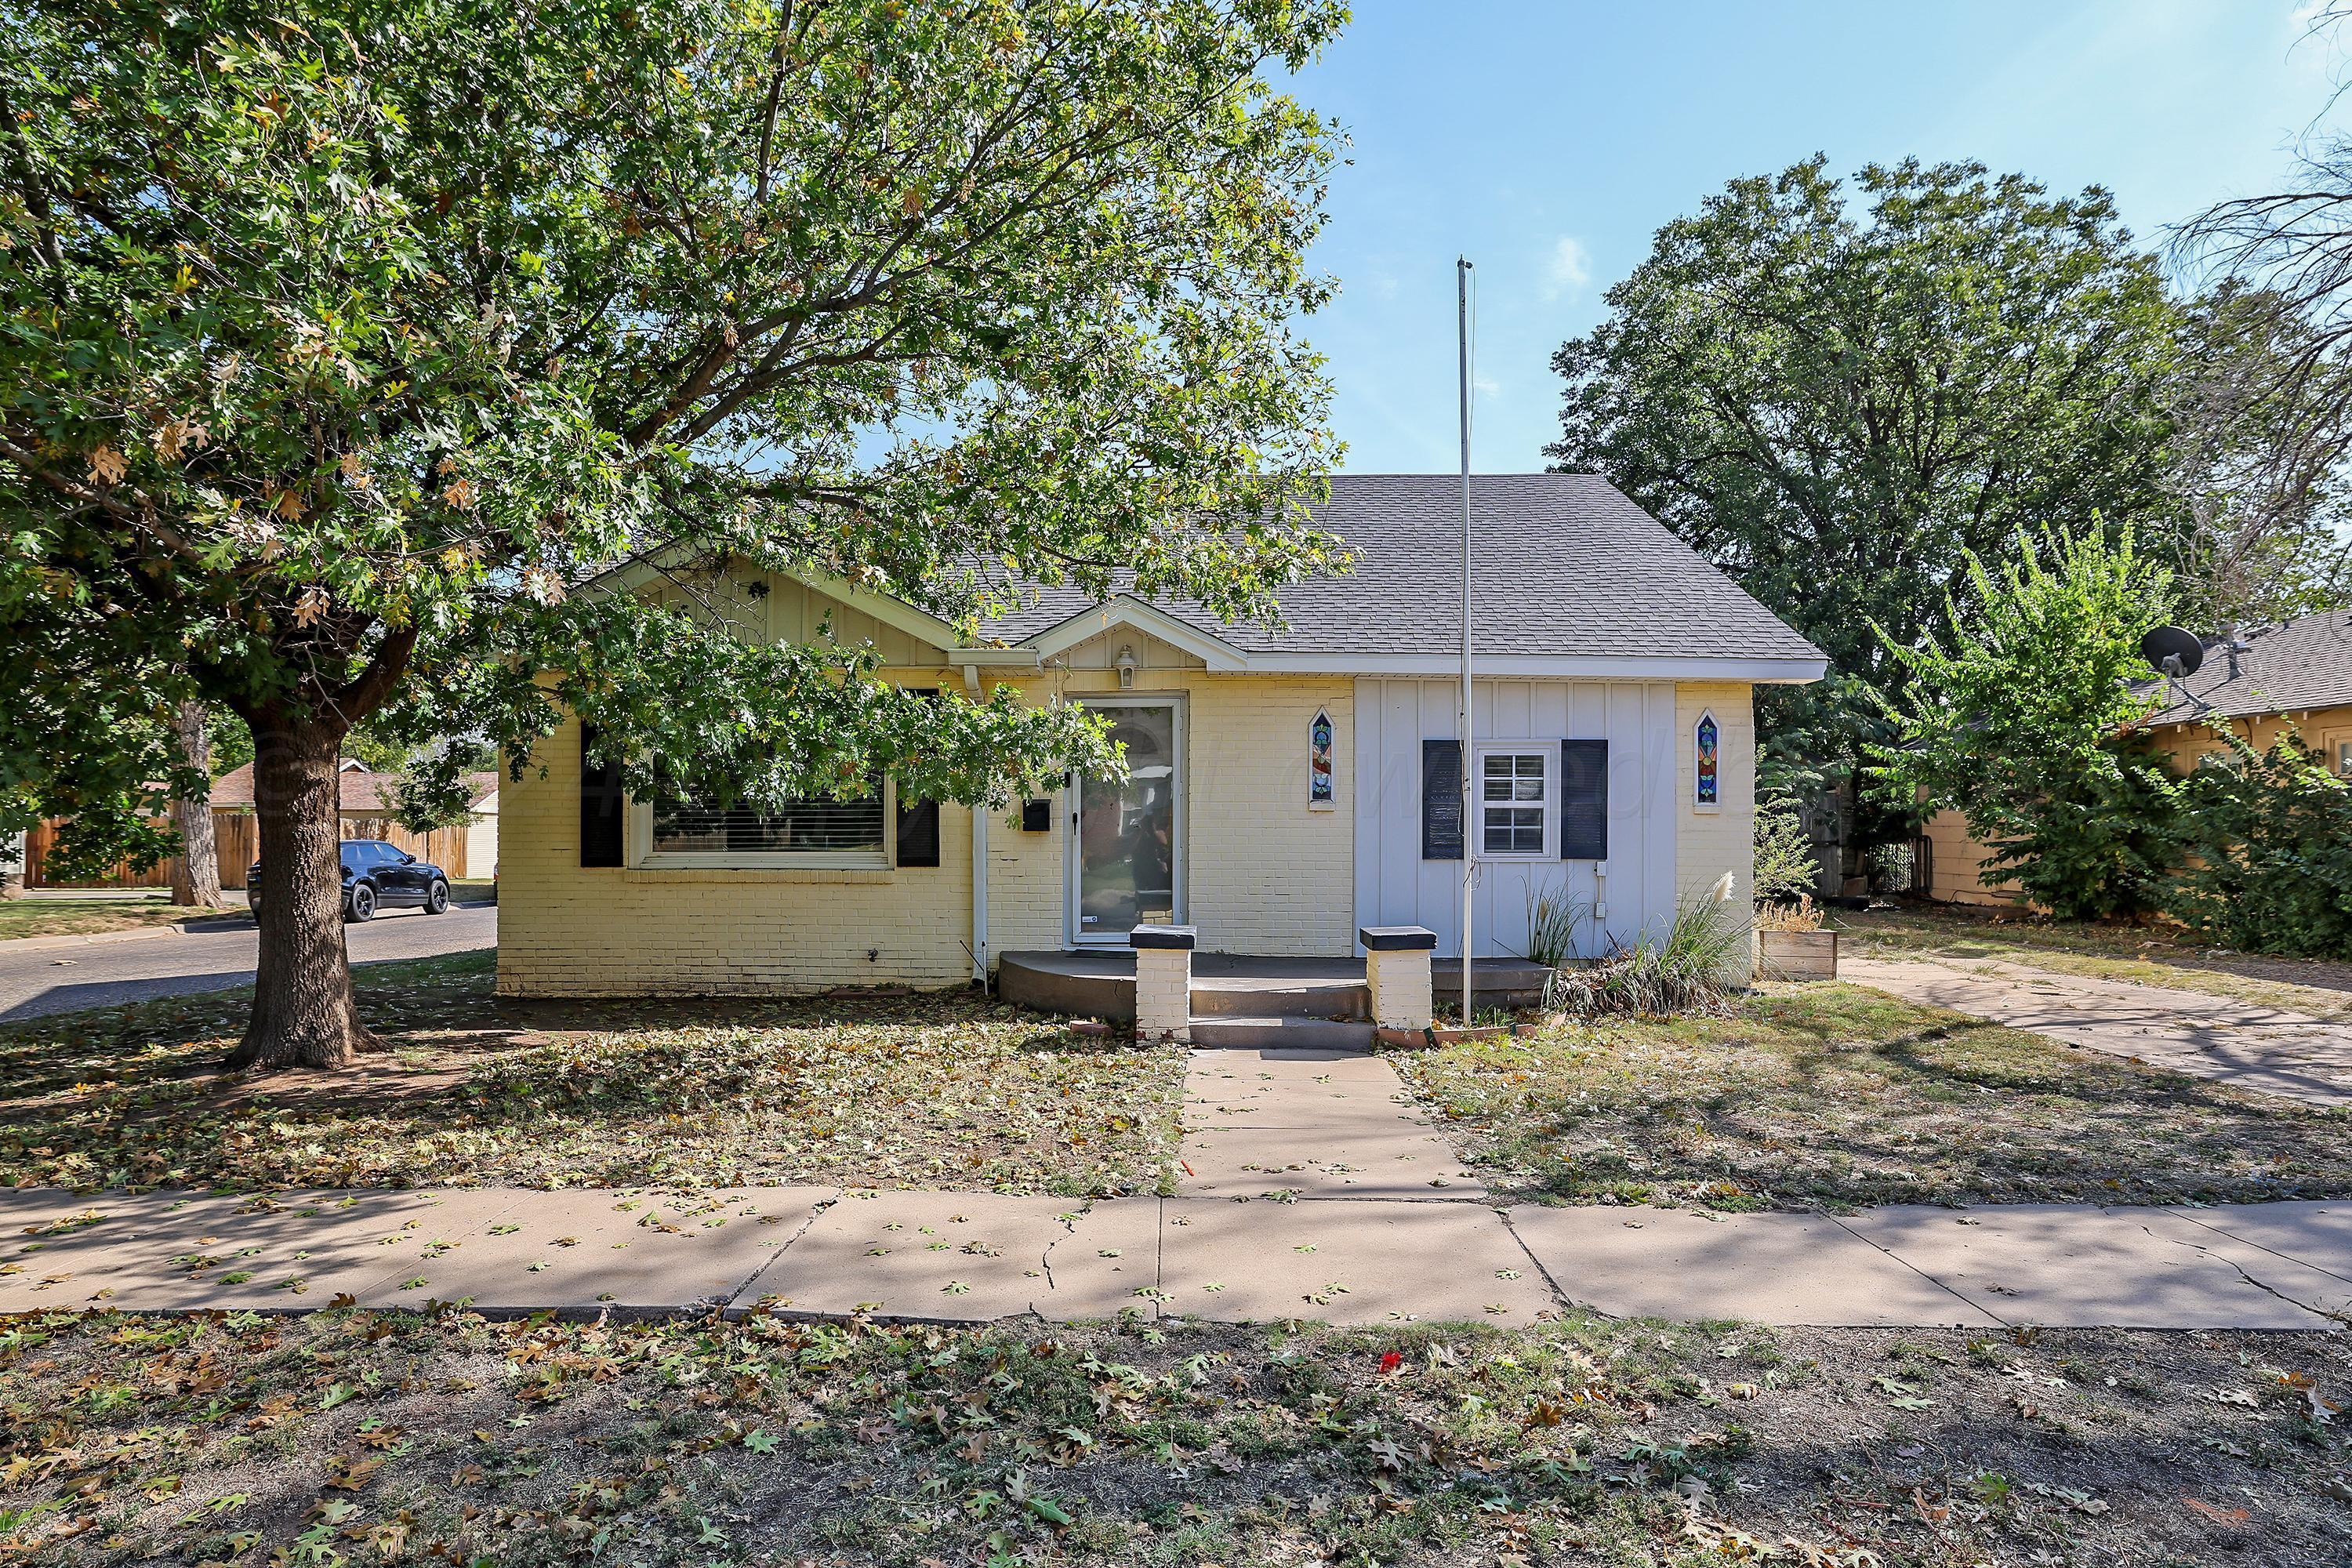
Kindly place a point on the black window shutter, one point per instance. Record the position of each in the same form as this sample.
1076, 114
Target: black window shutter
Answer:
1584, 800
919, 820
1441, 800
918, 832
600, 816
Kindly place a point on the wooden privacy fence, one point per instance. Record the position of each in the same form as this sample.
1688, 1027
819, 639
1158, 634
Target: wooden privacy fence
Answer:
237, 836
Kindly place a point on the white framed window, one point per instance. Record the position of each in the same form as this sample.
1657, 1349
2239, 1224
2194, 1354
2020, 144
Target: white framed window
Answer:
1515, 801
816, 831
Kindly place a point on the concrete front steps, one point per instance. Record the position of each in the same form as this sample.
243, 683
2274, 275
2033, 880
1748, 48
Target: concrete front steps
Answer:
1258, 1010
1100, 983
1278, 1033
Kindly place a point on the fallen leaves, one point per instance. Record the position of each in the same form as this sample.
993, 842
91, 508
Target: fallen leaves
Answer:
916, 1091
1465, 1444
2217, 1513
1842, 1096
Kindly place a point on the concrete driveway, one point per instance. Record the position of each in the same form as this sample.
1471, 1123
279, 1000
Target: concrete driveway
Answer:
44, 976
2243, 1044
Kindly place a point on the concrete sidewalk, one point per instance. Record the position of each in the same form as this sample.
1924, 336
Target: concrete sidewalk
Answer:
1311, 1186
2243, 1044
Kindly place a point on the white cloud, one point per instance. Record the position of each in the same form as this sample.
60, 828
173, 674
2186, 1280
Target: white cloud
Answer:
1569, 270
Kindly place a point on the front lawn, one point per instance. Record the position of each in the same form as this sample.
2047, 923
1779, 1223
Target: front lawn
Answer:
2144, 955
939, 1090
1833, 1096
361, 1437
86, 917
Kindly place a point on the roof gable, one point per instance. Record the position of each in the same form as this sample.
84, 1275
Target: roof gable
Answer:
1567, 578
1126, 610
1565, 572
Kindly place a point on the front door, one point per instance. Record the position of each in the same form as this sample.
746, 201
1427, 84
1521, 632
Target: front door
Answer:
1127, 859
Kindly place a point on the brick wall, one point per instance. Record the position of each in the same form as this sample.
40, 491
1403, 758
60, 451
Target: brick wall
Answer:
565, 930
1266, 875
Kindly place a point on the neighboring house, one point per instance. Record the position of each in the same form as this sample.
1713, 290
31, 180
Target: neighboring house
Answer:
1284, 789
2296, 676
470, 850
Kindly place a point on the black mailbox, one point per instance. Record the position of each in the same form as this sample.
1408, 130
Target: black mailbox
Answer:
1036, 816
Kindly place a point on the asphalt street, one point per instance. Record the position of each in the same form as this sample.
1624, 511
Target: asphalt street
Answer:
39, 978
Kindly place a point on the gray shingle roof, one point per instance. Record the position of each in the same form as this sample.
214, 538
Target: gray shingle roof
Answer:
1563, 565
2302, 664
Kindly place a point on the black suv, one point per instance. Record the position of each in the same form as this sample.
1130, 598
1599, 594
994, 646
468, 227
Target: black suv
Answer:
376, 875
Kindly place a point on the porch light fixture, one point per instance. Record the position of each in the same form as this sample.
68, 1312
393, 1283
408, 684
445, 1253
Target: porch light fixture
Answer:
1126, 662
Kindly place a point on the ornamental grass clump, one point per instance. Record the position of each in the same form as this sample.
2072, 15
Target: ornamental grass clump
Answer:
1686, 970
1552, 921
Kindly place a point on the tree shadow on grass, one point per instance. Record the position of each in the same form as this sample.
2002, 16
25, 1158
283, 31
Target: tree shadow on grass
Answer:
466, 1085
1801, 1113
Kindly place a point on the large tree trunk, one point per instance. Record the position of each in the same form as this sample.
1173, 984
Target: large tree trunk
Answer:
196, 875
304, 1010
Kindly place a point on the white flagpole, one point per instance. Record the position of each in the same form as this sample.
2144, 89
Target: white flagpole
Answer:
1469, 771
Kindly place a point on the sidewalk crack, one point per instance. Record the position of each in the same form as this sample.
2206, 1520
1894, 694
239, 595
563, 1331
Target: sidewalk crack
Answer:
816, 1211
1560, 1296
1930, 1278
1045, 1259
2195, 1219
2344, 1319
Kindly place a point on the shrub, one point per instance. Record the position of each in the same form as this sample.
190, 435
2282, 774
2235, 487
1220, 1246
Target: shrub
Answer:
2269, 842
1785, 865
2011, 715
1683, 971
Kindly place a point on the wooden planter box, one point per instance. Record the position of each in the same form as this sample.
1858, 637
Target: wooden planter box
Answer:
1797, 955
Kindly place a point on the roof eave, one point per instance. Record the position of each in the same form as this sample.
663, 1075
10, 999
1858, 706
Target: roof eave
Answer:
1764, 670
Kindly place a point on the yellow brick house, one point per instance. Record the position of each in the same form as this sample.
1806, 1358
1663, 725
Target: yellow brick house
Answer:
1287, 787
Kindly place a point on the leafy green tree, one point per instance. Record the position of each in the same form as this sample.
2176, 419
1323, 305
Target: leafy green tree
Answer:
2019, 717
341, 346
1839, 394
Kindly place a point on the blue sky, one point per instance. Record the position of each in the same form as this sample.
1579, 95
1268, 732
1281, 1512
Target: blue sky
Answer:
1550, 141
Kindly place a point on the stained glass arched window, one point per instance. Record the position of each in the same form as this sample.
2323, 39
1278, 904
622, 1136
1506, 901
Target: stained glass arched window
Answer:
1320, 783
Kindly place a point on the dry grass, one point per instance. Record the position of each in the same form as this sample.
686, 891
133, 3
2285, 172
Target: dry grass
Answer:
1832, 1096
360, 1438
939, 1091
2142, 956
88, 917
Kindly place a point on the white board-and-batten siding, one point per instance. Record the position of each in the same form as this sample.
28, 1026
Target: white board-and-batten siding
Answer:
1395, 886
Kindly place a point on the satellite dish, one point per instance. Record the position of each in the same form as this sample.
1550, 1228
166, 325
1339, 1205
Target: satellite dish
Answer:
2173, 651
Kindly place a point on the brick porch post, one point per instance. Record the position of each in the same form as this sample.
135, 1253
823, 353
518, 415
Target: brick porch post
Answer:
1396, 967
1163, 981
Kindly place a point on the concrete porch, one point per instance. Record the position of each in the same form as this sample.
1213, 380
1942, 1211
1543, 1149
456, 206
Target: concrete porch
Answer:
1246, 1000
